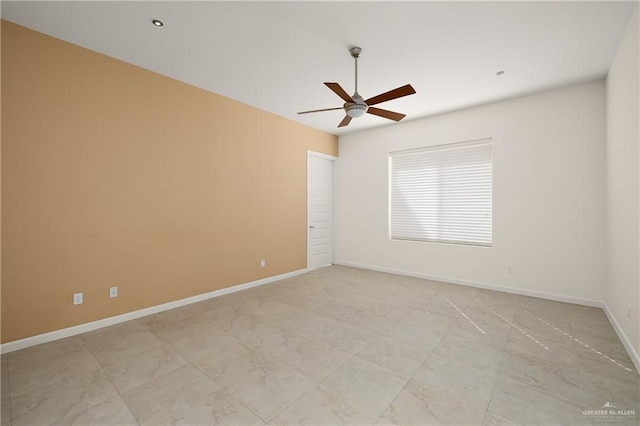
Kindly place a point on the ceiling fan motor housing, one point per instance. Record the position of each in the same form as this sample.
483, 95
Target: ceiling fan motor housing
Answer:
356, 109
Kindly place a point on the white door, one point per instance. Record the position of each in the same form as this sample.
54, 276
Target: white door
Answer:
319, 210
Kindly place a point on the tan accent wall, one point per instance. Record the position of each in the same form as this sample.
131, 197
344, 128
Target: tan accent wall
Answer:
114, 175
1, 402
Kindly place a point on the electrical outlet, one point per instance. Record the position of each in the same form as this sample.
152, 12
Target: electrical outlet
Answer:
113, 292
77, 298
263, 263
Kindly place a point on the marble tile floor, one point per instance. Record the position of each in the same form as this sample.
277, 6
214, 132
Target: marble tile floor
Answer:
334, 346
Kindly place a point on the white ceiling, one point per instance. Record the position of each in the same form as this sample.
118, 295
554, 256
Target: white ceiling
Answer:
276, 55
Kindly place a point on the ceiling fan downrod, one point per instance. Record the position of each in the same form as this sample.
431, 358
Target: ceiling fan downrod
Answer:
359, 107
355, 52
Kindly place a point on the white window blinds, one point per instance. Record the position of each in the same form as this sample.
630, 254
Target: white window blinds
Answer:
442, 193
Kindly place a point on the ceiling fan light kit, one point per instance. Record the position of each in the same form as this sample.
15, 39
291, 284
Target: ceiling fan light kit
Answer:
355, 106
356, 110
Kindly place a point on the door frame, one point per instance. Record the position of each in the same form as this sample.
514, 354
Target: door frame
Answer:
334, 201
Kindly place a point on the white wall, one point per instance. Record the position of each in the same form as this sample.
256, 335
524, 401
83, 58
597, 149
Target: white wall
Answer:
623, 187
548, 200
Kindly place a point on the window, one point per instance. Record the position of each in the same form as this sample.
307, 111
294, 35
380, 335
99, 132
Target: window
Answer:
442, 194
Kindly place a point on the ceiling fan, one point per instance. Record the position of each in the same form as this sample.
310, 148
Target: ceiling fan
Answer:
356, 106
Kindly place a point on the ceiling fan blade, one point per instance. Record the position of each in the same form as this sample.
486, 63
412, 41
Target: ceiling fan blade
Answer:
338, 90
320, 110
395, 116
346, 120
391, 94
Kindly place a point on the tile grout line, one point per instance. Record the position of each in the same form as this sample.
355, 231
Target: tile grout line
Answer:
164, 343
315, 387
102, 367
513, 325
464, 315
146, 328
189, 363
518, 306
384, 410
495, 380
578, 341
497, 373
420, 366
10, 398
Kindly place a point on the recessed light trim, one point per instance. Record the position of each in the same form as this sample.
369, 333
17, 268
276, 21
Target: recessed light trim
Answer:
157, 22
500, 73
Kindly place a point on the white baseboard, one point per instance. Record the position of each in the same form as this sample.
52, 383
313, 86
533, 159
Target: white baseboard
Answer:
633, 354
94, 325
486, 286
540, 294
